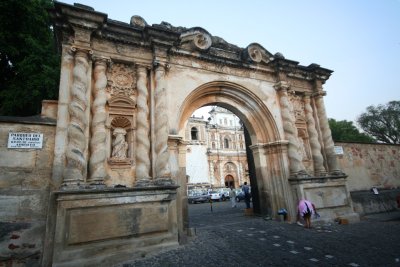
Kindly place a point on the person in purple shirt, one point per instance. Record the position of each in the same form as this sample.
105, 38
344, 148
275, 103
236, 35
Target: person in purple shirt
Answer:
305, 209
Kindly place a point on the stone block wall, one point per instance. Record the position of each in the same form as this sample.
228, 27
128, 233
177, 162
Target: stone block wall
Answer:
25, 180
369, 166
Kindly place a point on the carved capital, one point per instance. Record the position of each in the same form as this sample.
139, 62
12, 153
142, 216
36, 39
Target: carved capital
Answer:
164, 66
282, 86
100, 60
140, 68
82, 51
319, 94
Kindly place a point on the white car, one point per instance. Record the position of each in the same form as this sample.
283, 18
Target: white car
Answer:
215, 196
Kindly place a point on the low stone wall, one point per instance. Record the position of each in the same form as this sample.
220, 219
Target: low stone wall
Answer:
25, 180
366, 202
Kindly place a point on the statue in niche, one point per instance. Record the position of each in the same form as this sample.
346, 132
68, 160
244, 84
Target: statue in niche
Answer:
119, 146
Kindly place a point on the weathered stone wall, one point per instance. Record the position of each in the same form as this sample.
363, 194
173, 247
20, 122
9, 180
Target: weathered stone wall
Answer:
368, 166
25, 179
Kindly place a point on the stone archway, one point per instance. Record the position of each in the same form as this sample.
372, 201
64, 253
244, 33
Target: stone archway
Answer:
142, 82
268, 148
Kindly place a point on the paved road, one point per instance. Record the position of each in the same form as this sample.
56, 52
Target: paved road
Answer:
226, 237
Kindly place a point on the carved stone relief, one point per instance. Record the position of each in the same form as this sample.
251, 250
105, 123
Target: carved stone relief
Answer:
121, 81
122, 95
298, 107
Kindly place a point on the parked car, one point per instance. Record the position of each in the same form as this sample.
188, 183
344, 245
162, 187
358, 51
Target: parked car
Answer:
215, 195
224, 193
198, 198
240, 196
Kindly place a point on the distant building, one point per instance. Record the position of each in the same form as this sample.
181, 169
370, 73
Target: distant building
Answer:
216, 154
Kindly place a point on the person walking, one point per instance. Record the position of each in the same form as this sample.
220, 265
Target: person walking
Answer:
305, 209
232, 196
247, 196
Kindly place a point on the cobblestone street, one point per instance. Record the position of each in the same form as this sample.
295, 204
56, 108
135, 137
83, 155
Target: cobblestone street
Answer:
226, 237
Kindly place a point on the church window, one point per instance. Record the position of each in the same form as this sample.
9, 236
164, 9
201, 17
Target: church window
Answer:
194, 133
226, 142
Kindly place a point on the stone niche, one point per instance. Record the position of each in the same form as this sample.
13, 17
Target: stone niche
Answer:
114, 225
121, 125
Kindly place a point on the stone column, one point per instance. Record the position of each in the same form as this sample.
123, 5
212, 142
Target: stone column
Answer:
162, 170
211, 171
98, 151
318, 159
281, 191
264, 182
67, 65
289, 126
326, 135
143, 130
75, 170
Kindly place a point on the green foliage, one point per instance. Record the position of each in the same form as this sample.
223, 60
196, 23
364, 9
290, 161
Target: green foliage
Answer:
29, 64
382, 122
345, 131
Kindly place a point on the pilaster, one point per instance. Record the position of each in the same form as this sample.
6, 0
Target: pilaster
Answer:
162, 168
326, 134
61, 138
296, 166
98, 150
143, 163
75, 171
318, 160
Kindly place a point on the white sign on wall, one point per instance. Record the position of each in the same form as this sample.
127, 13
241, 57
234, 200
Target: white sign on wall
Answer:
25, 140
338, 150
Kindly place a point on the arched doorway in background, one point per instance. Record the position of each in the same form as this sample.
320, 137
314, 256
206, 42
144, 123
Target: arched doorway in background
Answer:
229, 181
264, 140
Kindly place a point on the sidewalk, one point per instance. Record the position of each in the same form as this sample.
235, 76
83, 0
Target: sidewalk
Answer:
383, 216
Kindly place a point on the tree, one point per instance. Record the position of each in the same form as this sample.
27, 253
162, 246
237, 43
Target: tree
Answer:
345, 131
29, 64
382, 122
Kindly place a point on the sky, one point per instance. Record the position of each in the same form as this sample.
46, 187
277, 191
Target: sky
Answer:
358, 39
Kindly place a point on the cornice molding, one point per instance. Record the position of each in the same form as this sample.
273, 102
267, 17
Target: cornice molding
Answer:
193, 42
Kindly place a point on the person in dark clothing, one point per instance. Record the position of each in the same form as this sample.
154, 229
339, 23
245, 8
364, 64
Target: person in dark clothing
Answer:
247, 195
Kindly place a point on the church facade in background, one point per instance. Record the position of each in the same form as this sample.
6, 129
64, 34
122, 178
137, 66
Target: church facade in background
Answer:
216, 151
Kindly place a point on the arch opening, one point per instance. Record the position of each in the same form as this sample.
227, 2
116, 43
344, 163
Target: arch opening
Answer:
256, 123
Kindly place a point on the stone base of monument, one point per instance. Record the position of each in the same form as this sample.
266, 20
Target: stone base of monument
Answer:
249, 212
109, 226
